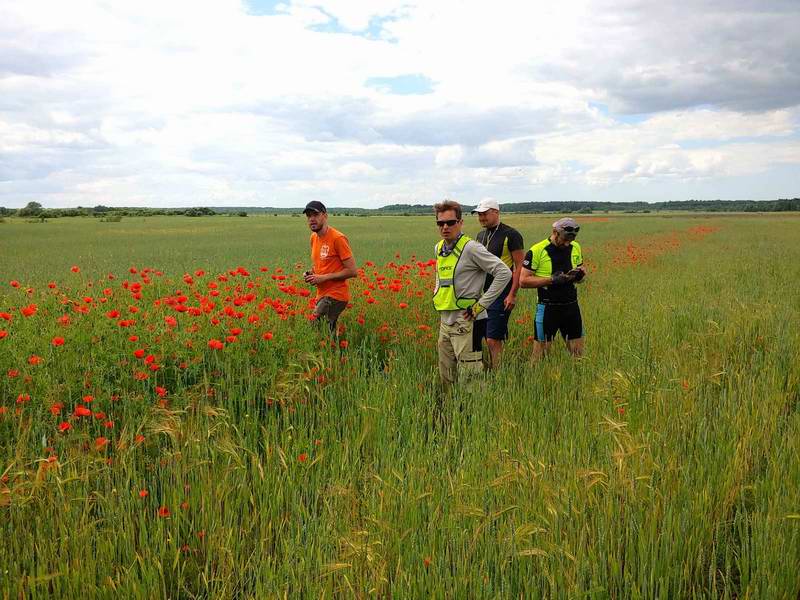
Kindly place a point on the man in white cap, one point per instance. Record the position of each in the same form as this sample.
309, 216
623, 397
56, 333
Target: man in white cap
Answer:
505, 243
553, 266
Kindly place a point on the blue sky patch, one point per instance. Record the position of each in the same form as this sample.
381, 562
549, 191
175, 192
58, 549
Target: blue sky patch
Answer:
631, 119
413, 83
264, 7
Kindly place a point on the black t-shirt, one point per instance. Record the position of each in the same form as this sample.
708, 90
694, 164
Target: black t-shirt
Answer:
501, 241
560, 259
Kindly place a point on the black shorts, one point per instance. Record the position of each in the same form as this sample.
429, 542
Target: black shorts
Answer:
495, 325
552, 318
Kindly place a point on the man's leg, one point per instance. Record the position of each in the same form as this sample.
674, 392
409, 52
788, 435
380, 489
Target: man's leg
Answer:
575, 347
542, 333
495, 352
466, 342
447, 356
540, 349
335, 308
572, 330
496, 334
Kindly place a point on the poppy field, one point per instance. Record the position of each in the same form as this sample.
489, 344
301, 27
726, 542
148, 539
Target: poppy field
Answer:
174, 424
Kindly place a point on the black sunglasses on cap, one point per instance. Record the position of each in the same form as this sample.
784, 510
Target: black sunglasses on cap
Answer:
570, 229
449, 222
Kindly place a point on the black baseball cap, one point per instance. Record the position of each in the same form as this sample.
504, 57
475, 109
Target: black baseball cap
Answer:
315, 206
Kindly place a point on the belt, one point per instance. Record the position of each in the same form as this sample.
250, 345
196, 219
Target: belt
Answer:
558, 303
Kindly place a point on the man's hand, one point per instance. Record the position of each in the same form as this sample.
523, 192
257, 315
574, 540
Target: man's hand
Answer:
561, 278
312, 278
473, 311
510, 302
577, 273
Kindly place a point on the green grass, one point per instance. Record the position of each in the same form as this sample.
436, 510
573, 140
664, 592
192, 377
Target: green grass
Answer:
663, 464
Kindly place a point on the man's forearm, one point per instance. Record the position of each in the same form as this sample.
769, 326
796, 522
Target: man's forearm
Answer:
515, 275
534, 281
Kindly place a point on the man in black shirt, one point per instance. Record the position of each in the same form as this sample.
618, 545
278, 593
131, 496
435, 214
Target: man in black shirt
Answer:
506, 244
553, 266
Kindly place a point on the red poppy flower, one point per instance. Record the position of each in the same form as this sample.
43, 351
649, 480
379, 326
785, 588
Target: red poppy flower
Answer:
88, 399
161, 391
343, 344
82, 411
138, 353
100, 442
302, 457
23, 398
14, 284
403, 305
138, 439
267, 336
163, 512
3, 333
29, 311
215, 344
5, 316
64, 427
75, 269
34, 360
52, 285
58, 341
143, 493
55, 409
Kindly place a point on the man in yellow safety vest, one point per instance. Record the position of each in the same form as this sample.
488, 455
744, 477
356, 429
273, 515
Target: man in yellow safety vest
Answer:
461, 268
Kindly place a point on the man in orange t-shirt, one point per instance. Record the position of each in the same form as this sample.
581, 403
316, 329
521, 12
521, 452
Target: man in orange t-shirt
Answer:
333, 264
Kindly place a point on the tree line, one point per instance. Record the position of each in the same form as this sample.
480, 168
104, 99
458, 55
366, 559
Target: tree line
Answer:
34, 210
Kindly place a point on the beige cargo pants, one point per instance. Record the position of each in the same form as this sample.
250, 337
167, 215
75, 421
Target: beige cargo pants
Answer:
460, 354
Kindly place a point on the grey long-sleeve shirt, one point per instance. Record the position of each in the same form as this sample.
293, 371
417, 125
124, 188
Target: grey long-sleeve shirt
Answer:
470, 275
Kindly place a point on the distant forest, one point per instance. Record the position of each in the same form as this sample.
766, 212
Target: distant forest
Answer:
34, 210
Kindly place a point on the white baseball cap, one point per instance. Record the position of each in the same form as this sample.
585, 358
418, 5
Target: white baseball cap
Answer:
486, 204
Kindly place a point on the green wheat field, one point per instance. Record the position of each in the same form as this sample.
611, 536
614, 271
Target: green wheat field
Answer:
172, 425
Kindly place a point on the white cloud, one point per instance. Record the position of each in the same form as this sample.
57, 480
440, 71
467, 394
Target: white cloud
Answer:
184, 103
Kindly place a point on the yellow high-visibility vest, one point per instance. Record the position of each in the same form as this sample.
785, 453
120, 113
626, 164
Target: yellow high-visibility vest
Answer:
446, 297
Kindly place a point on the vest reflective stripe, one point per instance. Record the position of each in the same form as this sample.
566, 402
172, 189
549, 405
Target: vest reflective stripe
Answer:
446, 295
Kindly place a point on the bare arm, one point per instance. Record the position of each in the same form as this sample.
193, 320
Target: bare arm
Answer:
511, 299
528, 280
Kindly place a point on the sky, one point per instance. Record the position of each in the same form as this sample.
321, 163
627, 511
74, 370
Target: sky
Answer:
363, 104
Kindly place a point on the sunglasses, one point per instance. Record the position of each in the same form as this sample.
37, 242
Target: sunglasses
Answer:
449, 222
569, 229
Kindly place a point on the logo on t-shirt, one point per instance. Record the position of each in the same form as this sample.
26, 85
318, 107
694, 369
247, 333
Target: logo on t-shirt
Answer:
323, 251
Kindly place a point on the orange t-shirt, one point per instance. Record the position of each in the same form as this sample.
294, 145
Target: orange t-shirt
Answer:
328, 253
